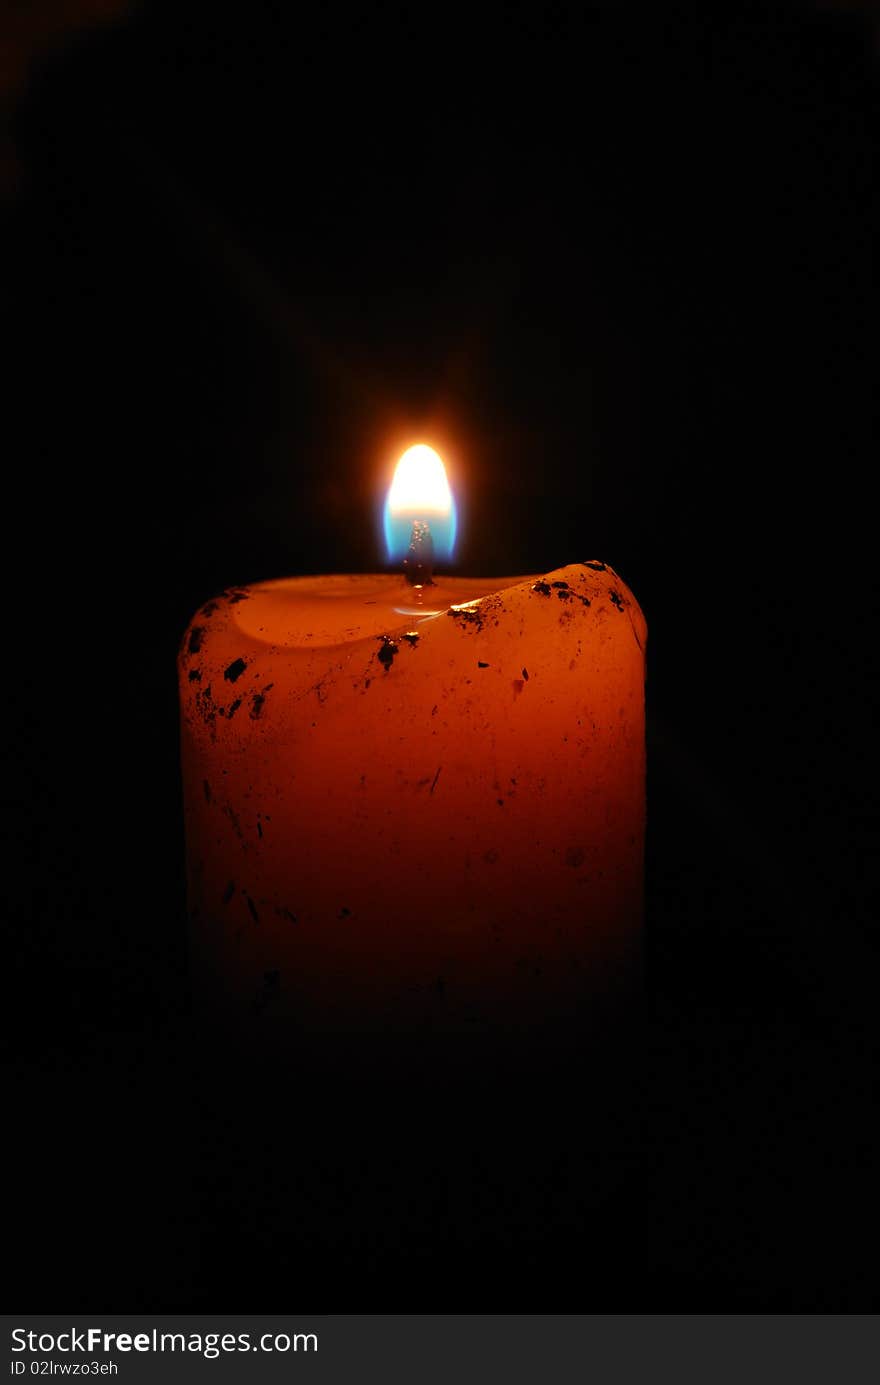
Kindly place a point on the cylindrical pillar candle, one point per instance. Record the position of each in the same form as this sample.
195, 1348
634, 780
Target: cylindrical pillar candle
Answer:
416, 817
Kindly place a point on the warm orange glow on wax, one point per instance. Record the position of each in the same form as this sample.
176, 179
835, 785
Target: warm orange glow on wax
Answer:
420, 486
416, 819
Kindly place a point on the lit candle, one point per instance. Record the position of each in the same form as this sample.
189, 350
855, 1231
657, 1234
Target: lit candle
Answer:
416, 805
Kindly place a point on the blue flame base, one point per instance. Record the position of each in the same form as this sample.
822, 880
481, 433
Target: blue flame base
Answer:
398, 531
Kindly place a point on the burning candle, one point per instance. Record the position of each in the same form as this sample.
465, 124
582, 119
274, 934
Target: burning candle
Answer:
416, 805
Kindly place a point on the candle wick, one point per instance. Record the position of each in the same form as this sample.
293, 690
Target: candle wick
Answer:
418, 565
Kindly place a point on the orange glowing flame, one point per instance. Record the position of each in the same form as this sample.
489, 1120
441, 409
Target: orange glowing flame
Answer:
420, 491
420, 488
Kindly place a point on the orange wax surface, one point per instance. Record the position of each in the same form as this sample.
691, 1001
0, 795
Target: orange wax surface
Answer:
415, 808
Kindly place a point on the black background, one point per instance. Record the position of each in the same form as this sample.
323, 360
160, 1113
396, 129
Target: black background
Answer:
617, 267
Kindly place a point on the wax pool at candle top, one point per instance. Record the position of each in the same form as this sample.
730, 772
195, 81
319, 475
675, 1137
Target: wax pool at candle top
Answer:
319, 611
415, 808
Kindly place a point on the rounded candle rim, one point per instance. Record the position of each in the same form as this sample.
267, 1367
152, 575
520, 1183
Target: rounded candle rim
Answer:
378, 603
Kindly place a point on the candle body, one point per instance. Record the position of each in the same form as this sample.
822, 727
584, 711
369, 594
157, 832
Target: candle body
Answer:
408, 821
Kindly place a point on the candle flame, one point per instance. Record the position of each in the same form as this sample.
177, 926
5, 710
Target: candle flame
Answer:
419, 491
420, 487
